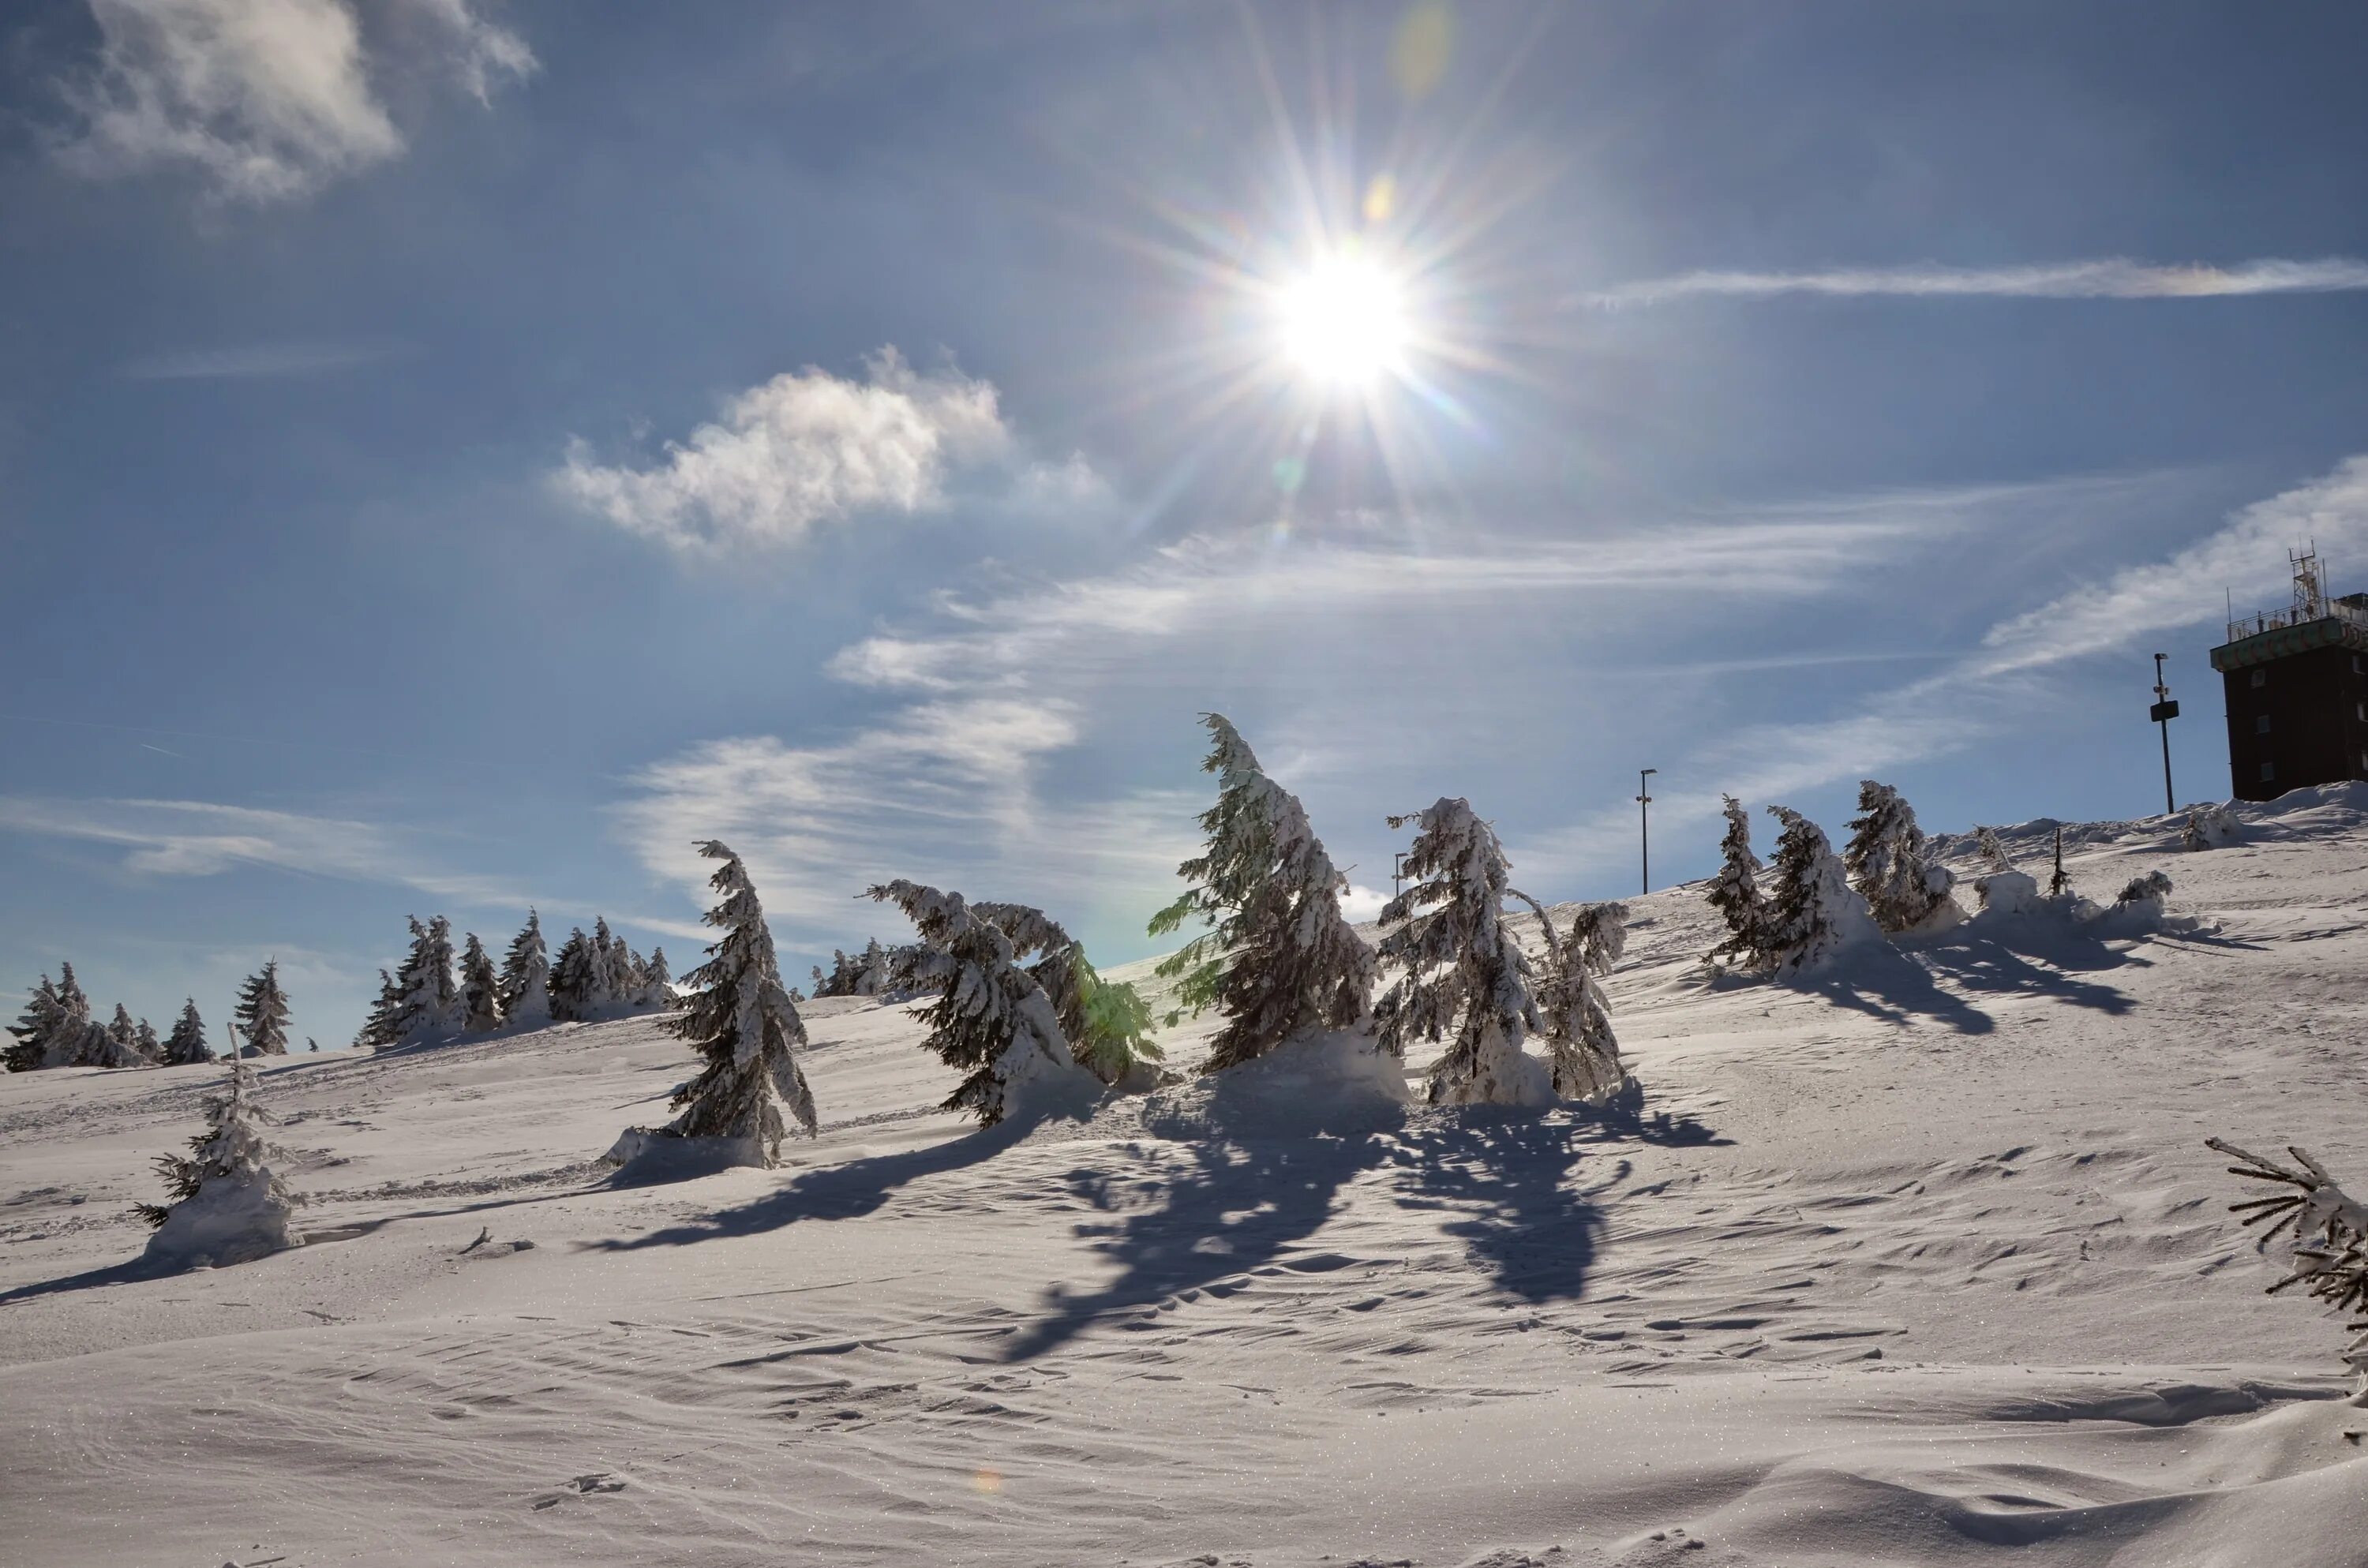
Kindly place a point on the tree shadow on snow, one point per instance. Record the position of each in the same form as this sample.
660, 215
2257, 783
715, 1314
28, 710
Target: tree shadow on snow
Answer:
1880, 981
1242, 1204
1503, 1172
846, 1191
129, 1272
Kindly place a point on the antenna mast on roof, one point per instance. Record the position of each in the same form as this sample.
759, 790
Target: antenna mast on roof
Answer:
2309, 592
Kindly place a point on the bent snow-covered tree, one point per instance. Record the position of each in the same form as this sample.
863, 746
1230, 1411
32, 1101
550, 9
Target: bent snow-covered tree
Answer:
1887, 863
1574, 1016
1108, 1024
1281, 961
226, 1204
29, 1036
1735, 893
739, 1019
262, 1011
1460, 975
1814, 913
185, 1045
526, 977
2327, 1232
658, 984
989, 1016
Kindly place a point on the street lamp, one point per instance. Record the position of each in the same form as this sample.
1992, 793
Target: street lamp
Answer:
2163, 711
1644, 823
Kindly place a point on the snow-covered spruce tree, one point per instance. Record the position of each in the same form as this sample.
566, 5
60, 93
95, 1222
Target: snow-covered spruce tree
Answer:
29, 1036
740, 1021
526, 977
262, 1011
1887, 863
658, 984
2213, 826
2327, 1246
1460, 975
380, 1025
481, 989
143, 1039
1990, 849
1108, 1026
571, 978
1280, 961
2001, 889
185, 1045
1813, 912
124, 1032
431, 1007
225, 1203
1574, 1015
989, 1016
2149, 893
76, 1039
1735, 893
612, 964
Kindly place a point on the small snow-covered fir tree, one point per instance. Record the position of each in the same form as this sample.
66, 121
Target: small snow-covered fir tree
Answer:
430, 1007
1574, 1013
2213, 826
227, 1204
77, 1039
2326, 1233
262, 1011
185, 1045
658, 984
1990, 850
2059, 885
1735, 893
1460, 975
574, 978
1887, 863
29, 1036
612, 965
480, 988
144, 1041
740, 1021
382, 1025
1108, 1024
1281, 961
526, 977
1814, 913
2149, 892
989, 1016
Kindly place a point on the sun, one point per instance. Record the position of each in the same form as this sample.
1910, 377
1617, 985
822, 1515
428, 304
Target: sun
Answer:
1344, 323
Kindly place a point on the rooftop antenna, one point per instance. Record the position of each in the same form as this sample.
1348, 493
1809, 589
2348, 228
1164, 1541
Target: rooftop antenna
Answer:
2309, 592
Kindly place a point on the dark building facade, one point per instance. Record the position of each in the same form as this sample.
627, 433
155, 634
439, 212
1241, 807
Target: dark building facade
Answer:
2297, 688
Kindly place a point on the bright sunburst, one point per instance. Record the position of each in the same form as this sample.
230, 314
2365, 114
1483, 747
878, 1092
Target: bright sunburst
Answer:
1345, 323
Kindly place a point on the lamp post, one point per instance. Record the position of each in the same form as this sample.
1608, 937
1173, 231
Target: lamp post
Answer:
1644, 823
2163, 711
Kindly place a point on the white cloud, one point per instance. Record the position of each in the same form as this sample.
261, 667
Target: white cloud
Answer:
1985, 693
205, 839
2248, 556
268, 101
808, 448
945, 793
2111, 277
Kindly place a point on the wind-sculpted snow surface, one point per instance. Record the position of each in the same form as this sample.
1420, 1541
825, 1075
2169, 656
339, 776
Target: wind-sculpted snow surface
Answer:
1919, 1261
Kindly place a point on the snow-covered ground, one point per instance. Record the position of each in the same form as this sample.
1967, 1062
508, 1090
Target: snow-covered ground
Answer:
1923, 1263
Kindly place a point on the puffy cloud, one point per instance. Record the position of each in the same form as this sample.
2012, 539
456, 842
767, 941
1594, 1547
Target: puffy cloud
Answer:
269, 101
804, 449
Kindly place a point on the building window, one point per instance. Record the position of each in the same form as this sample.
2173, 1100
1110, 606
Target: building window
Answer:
2357, 667
2262, 725
2269, 771
2261, 678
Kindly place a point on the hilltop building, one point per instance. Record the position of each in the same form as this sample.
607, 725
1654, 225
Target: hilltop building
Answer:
2297, 689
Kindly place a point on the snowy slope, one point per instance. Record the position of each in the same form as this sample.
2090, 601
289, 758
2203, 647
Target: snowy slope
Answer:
1922, 1263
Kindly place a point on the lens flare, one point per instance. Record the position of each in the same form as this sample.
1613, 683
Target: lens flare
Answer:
1345, 322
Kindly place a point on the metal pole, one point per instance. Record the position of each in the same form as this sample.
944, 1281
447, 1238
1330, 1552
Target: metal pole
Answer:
1645, 823
2162, 697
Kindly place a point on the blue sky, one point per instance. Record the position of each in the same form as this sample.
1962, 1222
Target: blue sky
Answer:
451, 455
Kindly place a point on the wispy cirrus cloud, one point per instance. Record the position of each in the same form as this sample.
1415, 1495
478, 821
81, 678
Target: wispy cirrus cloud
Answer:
808, 449
207, 838
1987, 691
266, 100
2108, 277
